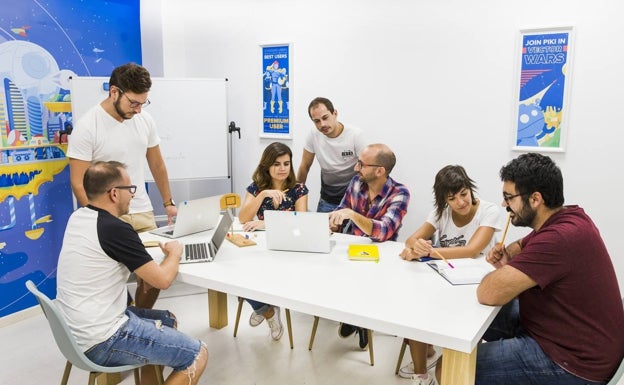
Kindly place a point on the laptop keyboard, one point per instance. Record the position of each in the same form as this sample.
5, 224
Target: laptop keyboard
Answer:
195, 252
168, 232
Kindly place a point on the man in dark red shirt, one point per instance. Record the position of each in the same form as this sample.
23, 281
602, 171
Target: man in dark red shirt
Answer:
562, 321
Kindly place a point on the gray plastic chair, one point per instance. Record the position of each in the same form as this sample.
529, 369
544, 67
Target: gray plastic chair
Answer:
67, 344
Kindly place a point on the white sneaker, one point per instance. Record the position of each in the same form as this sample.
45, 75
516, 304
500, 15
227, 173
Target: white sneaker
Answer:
275, 323
255, 319
408, 370
430, 380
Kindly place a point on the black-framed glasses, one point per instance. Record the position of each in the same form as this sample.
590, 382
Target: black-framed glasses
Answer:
507, 198
360, 164
134, 103
131, 188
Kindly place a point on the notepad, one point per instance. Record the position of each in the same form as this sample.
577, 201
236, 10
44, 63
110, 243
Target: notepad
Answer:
359, 252
467, 271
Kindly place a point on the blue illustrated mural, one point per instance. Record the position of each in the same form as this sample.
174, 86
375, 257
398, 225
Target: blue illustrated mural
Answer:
42, 45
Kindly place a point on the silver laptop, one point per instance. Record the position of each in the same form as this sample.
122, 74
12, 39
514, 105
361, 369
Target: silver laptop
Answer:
297, 231
193, 216
207, 251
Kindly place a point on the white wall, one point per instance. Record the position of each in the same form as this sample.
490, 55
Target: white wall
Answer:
434, 80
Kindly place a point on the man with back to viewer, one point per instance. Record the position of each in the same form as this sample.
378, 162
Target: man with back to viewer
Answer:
336, 146
562, 321
118, 129
98, 254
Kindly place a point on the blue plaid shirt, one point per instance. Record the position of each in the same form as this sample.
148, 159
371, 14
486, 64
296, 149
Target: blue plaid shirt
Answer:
386, 210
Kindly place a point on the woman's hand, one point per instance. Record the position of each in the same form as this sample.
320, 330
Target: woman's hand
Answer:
276, 196
253, 225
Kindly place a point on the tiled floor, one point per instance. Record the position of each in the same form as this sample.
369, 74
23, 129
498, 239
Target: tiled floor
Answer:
30, 356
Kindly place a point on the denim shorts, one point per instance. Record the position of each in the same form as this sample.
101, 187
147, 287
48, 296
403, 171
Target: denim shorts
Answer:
512, 357
147, 338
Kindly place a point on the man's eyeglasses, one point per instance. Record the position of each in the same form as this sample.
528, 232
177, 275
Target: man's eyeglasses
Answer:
507, 198
131, 189
360, 164
134, 103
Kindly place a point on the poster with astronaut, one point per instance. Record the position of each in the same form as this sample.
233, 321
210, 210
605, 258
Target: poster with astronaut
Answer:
276, 83
543, 89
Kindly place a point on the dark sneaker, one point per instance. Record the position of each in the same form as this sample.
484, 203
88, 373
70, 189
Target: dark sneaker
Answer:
345, 330
363, 338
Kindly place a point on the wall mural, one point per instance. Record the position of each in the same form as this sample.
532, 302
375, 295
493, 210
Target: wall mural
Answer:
42, 45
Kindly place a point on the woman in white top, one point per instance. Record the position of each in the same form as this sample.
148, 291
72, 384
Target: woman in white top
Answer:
465, 226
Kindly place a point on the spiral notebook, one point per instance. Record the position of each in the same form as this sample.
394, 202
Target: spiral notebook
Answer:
466, 271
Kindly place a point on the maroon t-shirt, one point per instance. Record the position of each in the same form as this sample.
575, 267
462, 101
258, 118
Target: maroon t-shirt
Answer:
575, 312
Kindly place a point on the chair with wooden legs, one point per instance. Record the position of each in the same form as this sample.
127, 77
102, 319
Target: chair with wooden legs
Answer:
288, 323
69, 348
401, 354
370, 340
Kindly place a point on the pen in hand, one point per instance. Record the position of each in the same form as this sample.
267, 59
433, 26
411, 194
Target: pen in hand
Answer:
442, 257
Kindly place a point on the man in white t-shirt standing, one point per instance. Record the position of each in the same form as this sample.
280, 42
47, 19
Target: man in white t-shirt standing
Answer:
118, 129
336, 147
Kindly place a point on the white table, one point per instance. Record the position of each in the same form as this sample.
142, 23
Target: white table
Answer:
381, 296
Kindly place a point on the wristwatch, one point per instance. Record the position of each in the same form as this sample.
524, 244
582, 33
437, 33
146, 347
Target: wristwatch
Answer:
168, 203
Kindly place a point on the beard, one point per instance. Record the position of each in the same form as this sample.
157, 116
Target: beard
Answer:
120, 112
524, 217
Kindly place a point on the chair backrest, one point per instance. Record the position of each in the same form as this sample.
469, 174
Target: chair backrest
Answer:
62, 335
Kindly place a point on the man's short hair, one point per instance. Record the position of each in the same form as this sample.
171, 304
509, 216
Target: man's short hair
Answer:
131, 77
320, 100
533, 172
101, 176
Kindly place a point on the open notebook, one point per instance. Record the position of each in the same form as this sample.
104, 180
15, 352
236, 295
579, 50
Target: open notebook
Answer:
466, 271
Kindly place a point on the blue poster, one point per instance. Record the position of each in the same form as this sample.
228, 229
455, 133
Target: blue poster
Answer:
541, 102
42, 45
276, 90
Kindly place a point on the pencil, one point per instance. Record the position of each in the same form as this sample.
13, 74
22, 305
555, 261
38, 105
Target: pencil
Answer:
442, 257
502, 242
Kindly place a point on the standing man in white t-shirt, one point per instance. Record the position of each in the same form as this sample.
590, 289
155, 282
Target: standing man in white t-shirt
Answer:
336, 147
118, 129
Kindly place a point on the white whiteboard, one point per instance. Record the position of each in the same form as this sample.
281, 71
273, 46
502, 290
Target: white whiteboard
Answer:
191, 119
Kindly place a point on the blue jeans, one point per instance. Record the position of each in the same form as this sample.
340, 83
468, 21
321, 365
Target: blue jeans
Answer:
512, 357
259, 307
325, 207
148, 337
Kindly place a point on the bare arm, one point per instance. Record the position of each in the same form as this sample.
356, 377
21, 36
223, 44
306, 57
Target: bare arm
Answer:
77, 169
302, 203
502, 285
304, 167
250, 207
336, 218
162, 275
159, 172
418, 244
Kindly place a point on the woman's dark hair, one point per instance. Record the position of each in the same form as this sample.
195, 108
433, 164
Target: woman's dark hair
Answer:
449, 181
262, 177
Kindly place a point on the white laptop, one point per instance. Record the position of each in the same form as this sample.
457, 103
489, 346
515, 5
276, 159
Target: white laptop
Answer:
193, 216
207, 251
297, 231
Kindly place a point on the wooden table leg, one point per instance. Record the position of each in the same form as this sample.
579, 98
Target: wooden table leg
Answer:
458, 368
217, 309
